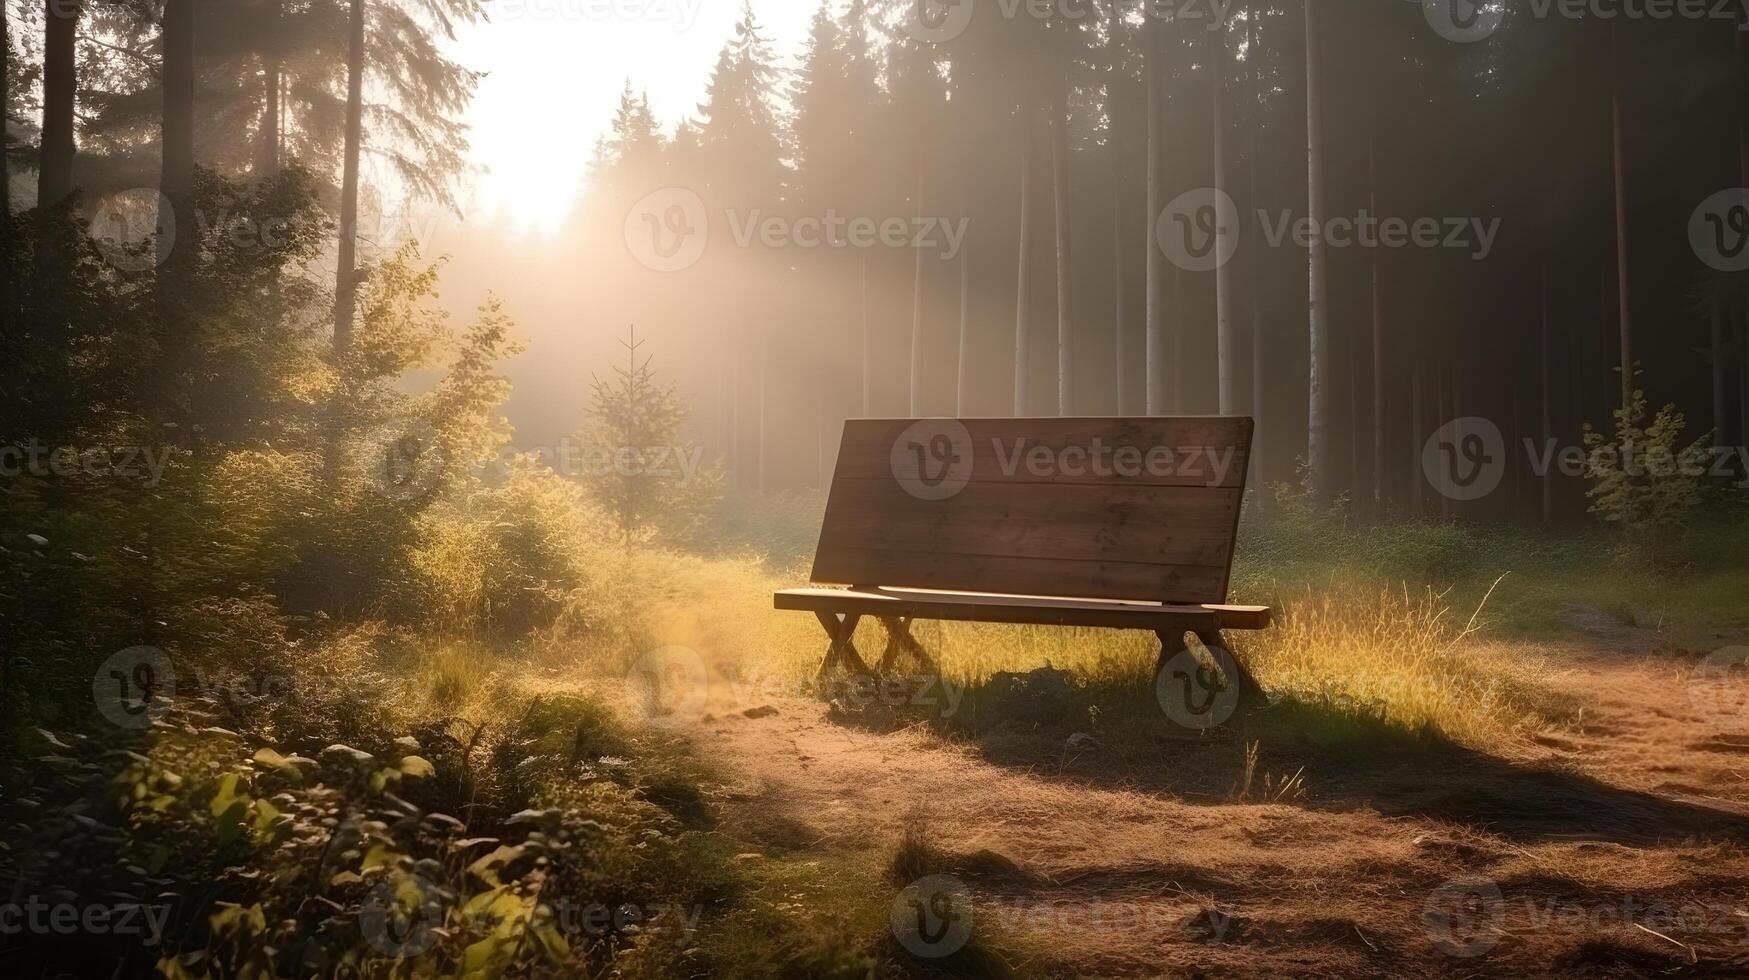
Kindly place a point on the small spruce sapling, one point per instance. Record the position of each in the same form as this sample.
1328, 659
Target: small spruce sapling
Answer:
637, 465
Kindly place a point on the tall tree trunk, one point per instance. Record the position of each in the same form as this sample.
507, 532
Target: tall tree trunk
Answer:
1378, 349
267, 140
1743, 387
1226, 338
60, 80
1120, 344
1255, 267
1621, 223
1741, 102
1023, 294
346, 277
1318, 333
1721, 356
1608, 336
1258, 388
176, 182
1155, 258
1417, 398
1443, 414
5, 112
962, 375
1354, 462
1457, 394
916, 375
1065, 260
1115, 54
1175, 310
1548, 424
820, 433
759, 441
1576, 383
736, 355
867, 346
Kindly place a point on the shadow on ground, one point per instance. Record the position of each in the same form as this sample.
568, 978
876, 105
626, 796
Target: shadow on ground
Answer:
1114, 736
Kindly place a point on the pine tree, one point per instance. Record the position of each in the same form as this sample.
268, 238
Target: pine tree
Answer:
637, 465
740, 134
629, 158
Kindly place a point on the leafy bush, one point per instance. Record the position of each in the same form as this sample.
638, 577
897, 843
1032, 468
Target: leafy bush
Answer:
1643, 480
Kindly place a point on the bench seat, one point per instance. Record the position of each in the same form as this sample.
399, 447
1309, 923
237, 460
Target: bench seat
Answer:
987, 607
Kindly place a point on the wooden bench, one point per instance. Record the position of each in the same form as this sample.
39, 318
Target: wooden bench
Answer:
1127, 523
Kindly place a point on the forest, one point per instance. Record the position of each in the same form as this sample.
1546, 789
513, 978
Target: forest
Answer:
386, 592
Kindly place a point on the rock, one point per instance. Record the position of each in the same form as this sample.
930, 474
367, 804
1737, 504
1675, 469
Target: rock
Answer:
1081, 740
346, 753
763, 711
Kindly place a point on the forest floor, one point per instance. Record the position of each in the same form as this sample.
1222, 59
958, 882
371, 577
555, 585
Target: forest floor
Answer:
1614, 846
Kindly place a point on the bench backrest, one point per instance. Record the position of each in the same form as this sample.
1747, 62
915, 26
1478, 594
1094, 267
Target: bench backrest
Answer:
1099, 508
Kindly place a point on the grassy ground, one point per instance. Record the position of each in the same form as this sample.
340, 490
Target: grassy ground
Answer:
1380, 624
1396, 653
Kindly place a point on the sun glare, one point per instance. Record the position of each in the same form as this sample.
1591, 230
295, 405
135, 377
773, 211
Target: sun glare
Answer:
553, 75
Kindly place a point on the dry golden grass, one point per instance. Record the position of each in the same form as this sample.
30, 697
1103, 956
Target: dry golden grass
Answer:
1398, 656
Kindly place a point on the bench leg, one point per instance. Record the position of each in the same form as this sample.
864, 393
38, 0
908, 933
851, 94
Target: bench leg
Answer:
1250, 692
842, 653
900, 640
1185, 691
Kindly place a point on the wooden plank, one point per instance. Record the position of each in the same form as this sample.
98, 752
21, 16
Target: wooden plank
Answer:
1159, 525
982, 607
1025, 576
1189, 452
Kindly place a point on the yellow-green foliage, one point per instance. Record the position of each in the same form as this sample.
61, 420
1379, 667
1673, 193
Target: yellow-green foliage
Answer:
508, 557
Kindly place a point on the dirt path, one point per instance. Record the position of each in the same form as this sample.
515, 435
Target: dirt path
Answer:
1097, 861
